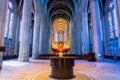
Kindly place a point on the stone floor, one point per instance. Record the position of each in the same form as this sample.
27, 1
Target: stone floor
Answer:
40, 70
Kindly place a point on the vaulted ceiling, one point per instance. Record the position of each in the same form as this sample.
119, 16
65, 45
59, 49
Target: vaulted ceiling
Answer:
60, 8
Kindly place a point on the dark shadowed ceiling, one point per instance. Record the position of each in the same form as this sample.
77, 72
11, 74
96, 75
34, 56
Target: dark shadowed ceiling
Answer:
58, 8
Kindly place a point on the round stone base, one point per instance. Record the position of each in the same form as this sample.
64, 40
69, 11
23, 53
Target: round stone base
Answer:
46, 76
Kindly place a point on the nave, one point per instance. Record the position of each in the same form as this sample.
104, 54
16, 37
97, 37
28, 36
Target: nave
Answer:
46, 39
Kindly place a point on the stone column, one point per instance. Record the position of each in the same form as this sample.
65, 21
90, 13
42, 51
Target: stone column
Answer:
17, 35
79, 38
41, 37
86, 42
3, 9
72, 35
44, 35
96, 29
42, 31
35, 50
117, 9
24, 31
76, 43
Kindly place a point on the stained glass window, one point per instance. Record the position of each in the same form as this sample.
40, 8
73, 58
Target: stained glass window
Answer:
60, 36
112, 20
111, 4
10, 5
9, 21
11, 26
115, 24
110, 25
56, 36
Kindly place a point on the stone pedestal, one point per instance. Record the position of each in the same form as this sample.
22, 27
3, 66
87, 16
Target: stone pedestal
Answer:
62, 67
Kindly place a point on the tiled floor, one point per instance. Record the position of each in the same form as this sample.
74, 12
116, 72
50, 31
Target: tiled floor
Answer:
14, 70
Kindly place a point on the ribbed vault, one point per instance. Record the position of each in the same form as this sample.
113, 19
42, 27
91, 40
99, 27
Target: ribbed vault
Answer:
60, 8
60, 25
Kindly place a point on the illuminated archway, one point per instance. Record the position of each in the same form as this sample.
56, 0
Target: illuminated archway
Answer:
60, 33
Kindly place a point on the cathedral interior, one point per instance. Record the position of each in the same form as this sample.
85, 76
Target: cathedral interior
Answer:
80, 36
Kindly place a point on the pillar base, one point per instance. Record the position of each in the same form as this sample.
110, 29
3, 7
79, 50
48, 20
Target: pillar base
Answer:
23, 58
98, 56
35, 56
98, 59
90, 56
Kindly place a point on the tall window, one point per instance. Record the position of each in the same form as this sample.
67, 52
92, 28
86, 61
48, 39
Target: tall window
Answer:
11, 26
115, 24
112, 20
56, 36
110, 25
9, 21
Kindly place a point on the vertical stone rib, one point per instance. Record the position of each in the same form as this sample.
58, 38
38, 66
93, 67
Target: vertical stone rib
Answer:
24, 31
